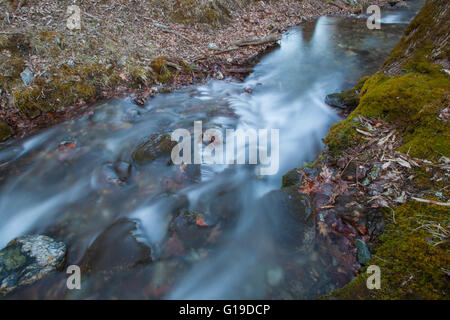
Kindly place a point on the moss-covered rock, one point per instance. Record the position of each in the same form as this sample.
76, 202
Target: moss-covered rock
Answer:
291, 178
156, 146
5, 131
347, 100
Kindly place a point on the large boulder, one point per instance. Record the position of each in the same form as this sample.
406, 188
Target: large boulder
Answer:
28, 259
291, 215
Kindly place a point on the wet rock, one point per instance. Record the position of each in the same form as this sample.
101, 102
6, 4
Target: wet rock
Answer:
111, 175
5, 131
28, 259
191, 172
347, 100
363, 251
291, 178
116, 249
291, 214
123, 170
132, 115
156, 146
190, 228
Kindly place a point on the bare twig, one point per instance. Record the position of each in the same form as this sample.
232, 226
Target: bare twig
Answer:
255, 42
243, 43
446, 204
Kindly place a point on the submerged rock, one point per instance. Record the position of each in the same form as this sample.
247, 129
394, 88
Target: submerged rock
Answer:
156, 146
28, 259
5, 131
116, 249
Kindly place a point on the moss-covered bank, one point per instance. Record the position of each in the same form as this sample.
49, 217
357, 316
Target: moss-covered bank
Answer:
411, 91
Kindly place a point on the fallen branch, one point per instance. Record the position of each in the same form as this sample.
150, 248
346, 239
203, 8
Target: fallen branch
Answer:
446, 204
243, 43
256, 42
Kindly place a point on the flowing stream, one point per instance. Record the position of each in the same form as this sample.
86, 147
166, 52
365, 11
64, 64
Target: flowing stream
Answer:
77, 181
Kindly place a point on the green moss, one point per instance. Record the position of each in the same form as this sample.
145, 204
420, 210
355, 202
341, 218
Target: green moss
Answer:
68, 86
411, 260
400, 98
15, 43
163, 71
343, 135
413, 101
423, 42
5, 131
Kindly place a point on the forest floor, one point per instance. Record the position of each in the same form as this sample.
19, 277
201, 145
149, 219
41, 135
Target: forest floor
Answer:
51, 73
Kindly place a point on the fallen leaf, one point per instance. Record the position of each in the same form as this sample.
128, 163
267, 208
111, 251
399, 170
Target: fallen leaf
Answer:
200, 222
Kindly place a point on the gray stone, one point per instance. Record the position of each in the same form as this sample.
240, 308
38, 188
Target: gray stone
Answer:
347, 100
28, 259
363, 251
27, 76
290, 213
